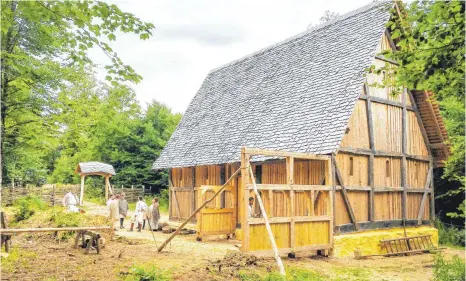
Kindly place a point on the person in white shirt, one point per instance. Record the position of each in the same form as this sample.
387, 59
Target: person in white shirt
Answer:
141, 208
70, 201
250, 210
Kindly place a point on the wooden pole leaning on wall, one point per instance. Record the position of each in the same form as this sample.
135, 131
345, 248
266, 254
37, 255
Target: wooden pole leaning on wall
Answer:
267, 224
344, 193
196, 211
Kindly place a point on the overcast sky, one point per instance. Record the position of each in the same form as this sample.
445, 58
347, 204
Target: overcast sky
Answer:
193, 37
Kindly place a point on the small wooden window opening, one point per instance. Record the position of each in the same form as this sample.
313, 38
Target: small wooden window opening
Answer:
351, 166
258, 174
387, 169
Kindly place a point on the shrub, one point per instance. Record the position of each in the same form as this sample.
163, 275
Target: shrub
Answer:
146, 272
450, 235
65, 219
163, 200
449, 270
27, 206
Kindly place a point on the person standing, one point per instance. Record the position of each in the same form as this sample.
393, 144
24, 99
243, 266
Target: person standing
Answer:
123, 209
155, 215
110, 200
138, 216
114, 211
70, 201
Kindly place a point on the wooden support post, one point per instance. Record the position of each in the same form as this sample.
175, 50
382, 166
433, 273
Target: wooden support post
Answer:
432, 195
330, 212
424, 197
244, 207
370, 127
107, 187
334, 188
345, 195
81, 198
266, 219
193, 196
290, 182
404, 131
170, 187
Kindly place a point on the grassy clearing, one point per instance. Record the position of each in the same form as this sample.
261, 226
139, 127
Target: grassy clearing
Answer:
17, 257
146, 272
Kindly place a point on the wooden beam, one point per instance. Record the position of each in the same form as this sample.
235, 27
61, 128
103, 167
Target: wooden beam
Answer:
254, 221
424, 197
81, 198
284, 187
365, 151
170, 186
266, 152
386, 60
370, 127
290, 181
390, 40
432, 194
193, 193
266, 219
284, 251
385, 101
404, 151
51, 229
344, 193
245, 181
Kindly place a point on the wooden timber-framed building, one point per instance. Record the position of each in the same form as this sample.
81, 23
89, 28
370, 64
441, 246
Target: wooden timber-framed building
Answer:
330, 150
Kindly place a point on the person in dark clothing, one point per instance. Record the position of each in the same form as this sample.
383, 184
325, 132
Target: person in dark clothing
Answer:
123, 209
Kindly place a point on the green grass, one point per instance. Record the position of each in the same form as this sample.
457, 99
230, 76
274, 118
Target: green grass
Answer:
146, 272
17, 258
452, 270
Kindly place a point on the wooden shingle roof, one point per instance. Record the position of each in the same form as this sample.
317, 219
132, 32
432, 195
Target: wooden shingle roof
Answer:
96, 168
295, 96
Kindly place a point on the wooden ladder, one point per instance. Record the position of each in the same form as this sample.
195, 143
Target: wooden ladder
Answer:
408, 245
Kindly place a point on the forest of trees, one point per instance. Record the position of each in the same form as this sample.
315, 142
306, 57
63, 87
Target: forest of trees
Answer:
54, 111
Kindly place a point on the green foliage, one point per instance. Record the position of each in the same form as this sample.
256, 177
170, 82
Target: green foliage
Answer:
146, 272
44, 47
17, 257
431, 41
450, 235
453, 270
28, 206
292, 274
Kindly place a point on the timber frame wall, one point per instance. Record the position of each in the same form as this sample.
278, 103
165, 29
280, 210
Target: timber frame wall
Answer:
384, 129
381, 175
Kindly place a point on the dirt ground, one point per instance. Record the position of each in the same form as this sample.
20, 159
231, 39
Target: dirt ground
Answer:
40, 257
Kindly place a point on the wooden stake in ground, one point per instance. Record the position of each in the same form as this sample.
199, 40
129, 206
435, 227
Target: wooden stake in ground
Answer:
267, 225
196, 211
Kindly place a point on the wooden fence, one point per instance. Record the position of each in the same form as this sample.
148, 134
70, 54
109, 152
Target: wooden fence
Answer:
50, 193
54, 193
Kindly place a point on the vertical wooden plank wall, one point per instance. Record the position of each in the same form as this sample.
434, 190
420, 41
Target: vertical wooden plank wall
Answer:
384, 156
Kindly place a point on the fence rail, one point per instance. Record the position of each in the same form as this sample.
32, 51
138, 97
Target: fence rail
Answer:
54, 193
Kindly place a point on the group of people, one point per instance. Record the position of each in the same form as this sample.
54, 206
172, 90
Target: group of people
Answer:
118, 210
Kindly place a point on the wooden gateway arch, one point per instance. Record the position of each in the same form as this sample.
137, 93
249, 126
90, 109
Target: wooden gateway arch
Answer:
95, 169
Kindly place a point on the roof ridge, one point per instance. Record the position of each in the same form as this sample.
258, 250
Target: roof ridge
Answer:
315, 28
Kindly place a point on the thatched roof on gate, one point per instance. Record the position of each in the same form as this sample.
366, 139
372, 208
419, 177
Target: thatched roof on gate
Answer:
297, 95
95, 168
